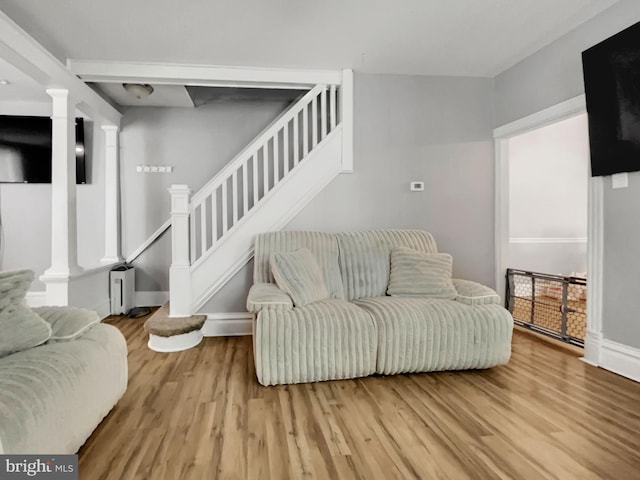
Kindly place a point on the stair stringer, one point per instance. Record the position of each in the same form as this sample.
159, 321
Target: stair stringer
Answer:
275, 211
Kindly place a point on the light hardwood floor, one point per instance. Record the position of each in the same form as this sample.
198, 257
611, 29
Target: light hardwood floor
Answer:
201, 414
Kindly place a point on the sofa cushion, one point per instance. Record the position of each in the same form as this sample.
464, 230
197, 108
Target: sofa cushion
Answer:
20, 327
419, 274
67, 323
416, 239
364, 261
365, 258
52, 397
324, 247
298, 274
267, 296
473, 293
426, 334
325, 340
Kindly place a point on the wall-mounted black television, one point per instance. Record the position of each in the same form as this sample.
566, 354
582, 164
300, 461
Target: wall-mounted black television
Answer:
612, 88
25, 150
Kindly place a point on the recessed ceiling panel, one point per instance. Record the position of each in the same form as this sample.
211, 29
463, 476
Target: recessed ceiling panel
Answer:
204, 95
162, 96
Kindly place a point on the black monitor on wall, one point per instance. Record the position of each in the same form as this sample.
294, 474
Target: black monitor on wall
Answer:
25, 150
612, 89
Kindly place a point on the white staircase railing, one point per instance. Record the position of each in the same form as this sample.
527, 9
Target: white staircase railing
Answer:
214, 212
245, 181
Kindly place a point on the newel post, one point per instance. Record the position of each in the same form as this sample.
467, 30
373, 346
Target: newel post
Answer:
180, 271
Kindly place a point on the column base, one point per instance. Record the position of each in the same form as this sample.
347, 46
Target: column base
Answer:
61, 274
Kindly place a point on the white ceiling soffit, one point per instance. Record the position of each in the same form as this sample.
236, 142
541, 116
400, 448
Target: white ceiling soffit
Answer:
425, 37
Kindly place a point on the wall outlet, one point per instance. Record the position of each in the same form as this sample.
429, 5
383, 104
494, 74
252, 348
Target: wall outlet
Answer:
417, 186
620, 180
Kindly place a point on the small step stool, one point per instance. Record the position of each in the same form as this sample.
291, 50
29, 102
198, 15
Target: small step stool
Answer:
173, 334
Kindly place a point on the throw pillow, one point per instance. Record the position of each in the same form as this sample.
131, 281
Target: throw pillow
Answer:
298, 274
67, 323
20, 328
419, 274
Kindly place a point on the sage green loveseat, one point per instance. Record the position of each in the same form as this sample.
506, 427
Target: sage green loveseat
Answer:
359, 330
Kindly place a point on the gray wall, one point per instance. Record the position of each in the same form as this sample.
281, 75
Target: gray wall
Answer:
554, 73
434, 129
550, 76
26, 209
197, 142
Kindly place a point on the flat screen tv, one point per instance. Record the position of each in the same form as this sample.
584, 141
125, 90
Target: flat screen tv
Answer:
612, 89
25, 150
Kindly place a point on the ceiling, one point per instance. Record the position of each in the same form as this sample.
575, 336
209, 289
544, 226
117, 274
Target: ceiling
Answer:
422, 37
20, 87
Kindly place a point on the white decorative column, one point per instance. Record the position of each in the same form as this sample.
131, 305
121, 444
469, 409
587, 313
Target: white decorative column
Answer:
180, 271
112, 196
64, 232
595, 254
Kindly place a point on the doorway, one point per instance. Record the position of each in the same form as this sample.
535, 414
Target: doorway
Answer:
560, 235
547, 249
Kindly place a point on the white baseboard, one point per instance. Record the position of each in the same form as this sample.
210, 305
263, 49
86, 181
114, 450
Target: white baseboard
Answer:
151, 299
103, 309
620, 359
227, 324
36, 299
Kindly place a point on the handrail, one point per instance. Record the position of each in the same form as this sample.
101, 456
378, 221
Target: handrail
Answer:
154, 236
255, 145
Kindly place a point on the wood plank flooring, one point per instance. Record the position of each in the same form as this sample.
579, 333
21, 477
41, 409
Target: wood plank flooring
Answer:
201, 414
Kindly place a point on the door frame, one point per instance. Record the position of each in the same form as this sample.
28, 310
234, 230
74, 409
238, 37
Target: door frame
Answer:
595, 227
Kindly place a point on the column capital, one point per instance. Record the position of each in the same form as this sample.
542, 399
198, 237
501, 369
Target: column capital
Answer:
61, 94
107, 127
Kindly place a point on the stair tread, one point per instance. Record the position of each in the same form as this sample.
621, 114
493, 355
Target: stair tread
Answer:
161, 324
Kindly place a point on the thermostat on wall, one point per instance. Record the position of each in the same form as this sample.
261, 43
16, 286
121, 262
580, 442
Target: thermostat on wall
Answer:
417, 186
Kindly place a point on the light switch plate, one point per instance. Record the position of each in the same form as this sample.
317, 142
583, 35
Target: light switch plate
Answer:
416, 186
620, 180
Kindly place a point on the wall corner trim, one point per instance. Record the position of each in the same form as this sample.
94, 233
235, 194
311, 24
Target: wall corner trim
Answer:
347, 121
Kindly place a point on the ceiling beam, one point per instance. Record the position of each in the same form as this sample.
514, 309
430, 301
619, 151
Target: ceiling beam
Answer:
22, 51
201, 75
